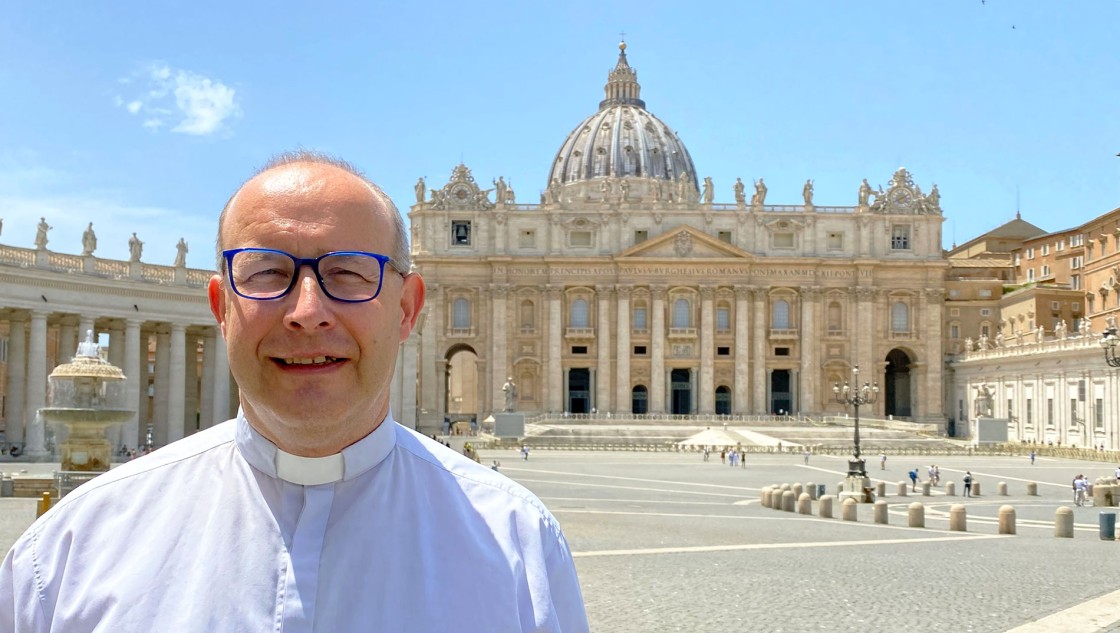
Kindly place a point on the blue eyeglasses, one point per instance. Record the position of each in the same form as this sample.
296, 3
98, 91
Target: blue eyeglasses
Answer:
262, 274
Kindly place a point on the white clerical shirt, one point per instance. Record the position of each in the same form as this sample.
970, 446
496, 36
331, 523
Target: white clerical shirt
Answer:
222, 531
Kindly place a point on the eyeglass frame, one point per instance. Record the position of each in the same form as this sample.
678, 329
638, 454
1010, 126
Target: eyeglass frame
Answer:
313, 262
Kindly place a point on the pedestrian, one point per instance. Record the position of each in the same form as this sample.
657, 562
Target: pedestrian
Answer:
932, 472
1032, 460
525, 452
313, 509
1118, 472
806, 455
1079, 486
882, 461
968, 483
914, 480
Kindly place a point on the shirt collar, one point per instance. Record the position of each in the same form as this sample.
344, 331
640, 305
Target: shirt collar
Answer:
354, 460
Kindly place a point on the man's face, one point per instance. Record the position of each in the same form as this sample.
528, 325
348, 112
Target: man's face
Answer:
313, 373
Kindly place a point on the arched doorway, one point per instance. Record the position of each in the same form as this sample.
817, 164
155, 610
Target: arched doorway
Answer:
723, 400
680, 381
639, 400
897, 385
781, 392
579, 390
461, 394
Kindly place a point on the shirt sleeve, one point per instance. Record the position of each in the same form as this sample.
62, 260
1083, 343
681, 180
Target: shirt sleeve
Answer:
19, 603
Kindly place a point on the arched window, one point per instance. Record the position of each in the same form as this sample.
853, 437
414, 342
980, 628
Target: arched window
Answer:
900, 317
579, 313
639, 399
682, 313
461, 314
528, 315
780, 320
723, 400
835, 322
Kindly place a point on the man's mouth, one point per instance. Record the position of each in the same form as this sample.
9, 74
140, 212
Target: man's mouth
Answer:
317, 360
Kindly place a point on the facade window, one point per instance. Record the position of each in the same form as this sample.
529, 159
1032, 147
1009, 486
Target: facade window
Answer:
640, 236
579, 314
1045, 270
1030, 274
461, 314
460, 233
640, 320
954, 293
900, 317
579, 239
1076, 240
986, 329
1030, 253
954, 331
527, 238
640, 350
1077, 262
528, 316
724, 236
900, 237
782, 240
1018, 259
1009, 415
1029, 411
1075, 282
780, 316
985, 312
723, 351
835, 318
835, 242
1098, 414
1045, 250
954, 312
723, 319
984, 293
682, 313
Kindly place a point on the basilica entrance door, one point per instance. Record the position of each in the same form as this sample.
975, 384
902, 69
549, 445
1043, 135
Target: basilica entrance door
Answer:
579, 390
896, 384
781, 397
681, 399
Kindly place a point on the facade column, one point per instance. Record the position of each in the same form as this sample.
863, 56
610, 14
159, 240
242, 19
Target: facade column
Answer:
406, 413
67, 340
603, 345
130, 430
160, 428
499, 337
221, 379
116, 344
761, 339
707, 349
657, 362
431, 323
622, 359
16, 403
177, 378
932, 405
36, 384
442, 368
555, 371
190, 385
85, 326
865, 326
741, 404
809, 400
206, 393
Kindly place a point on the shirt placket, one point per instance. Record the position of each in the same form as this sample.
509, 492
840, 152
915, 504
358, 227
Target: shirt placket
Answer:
301, 585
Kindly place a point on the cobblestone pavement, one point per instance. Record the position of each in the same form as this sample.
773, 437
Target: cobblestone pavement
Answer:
666, 542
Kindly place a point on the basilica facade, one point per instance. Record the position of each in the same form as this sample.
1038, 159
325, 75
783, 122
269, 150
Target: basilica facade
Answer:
628, 289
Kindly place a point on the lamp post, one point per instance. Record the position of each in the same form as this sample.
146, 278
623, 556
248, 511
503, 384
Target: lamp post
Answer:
1109, 342
855, 397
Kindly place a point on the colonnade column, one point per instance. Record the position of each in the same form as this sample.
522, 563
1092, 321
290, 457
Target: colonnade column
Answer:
707, 349
657, 361
622, 358
221, 379
36, 384
130, 430
409, 352
17, 381
499, 336
85, 326
761, 339
206, 395
176, 379
603, 377
555, 371
189, 421
163, 386
67, 340
741, 403
810, 351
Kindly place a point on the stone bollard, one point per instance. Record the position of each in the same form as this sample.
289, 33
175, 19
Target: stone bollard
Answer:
811, 488
1001, 489
917, 515
902, 488
1006, 520
784, 487
43, 505
925, 489
1032, 489
766, 492
958, 518
1063, 523
880, 511
824, 509
880, 490
1102, 495
950, 489
804, 504
849, 509
787, 501
797, 490
976, 489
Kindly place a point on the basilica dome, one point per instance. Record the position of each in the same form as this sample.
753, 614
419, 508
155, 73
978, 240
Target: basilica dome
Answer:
622, 139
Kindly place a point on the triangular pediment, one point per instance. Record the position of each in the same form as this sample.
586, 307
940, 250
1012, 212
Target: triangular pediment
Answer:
684, 242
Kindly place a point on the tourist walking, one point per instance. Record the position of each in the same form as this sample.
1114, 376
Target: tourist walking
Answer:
968, 483
882, 461
914, 480
1079, 486
1032, 461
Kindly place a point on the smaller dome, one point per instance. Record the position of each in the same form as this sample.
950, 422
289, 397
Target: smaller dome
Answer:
622, 139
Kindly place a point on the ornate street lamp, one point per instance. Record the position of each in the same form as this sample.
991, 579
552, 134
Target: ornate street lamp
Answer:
1109, 342
856, 397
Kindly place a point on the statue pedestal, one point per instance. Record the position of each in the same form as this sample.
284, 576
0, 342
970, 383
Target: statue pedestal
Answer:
855, 487
509, 424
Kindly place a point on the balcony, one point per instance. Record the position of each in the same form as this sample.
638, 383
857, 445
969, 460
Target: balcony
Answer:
460, 332
905, 335
783, 334
579, 333
835, 331
682, 332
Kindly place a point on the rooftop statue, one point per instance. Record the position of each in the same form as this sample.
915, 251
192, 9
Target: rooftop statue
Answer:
41, 234
135, 248
807, 192
708, 194
740, 197
89, 241
419, 188
864, 193
181, 253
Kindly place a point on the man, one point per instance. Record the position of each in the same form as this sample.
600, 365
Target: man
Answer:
967, 483
313, 510
913, 480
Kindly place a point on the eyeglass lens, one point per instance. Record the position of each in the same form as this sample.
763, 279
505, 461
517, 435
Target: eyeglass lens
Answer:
268, 275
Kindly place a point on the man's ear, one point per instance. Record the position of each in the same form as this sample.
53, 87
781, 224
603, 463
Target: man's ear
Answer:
412, 301
216, 292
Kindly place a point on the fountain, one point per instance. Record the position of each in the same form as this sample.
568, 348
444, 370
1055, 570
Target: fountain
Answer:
87, 397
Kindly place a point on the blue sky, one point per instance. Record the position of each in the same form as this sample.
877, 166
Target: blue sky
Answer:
145, 116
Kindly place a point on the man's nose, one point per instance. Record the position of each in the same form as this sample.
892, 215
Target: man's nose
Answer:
312, 308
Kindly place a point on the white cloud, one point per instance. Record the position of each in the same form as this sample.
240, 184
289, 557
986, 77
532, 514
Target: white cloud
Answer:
201, 105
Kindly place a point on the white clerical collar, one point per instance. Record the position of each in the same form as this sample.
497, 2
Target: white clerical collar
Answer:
354, 460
